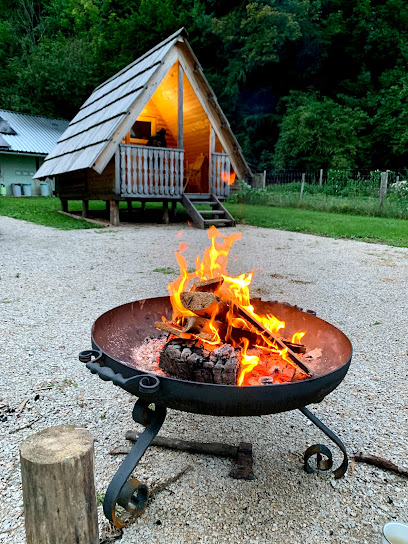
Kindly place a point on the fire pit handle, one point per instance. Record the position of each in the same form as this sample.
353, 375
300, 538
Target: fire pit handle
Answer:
86, 355
148, 384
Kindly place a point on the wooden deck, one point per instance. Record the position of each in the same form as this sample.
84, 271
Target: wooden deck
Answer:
155, 173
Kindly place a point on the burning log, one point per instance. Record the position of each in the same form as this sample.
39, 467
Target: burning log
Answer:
203, 304
189, 361
296, 348
208, 286
197, 325
243, 313
171, 328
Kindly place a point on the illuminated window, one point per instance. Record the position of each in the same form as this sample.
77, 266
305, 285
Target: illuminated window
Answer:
141, 131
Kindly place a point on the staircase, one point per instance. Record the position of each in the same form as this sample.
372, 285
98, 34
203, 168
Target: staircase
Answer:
205, 210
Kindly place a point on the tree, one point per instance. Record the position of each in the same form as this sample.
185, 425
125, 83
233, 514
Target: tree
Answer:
317, 132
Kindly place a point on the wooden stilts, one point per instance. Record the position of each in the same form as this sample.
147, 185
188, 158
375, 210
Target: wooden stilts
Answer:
143, 208
57, 469
64, 205
130, 208
166, 219
85, 208
174, 209
114, 213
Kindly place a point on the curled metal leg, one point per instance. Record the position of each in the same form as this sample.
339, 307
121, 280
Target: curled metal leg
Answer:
320, 450
130, 493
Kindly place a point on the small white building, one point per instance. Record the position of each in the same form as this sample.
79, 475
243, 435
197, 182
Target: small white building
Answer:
25, 140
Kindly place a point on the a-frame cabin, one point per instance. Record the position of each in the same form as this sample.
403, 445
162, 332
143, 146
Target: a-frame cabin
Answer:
103, 154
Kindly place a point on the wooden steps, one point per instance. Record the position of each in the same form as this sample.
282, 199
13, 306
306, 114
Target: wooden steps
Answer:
218, 215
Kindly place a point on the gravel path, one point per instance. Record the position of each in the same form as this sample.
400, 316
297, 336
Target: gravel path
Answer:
54, 284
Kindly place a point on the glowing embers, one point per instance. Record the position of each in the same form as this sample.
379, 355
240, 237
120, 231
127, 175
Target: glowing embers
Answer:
212, 313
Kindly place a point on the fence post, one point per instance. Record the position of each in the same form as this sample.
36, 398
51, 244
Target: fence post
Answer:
264, 180
302, 187
383, 188
321, 177
57, 469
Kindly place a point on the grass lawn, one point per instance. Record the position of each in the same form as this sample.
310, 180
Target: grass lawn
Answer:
42, 210
368, 229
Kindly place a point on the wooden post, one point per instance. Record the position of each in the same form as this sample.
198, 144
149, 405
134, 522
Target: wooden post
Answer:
166, 219
114, 213
321, 177
130, 209
383, 188
85, 208
143, 208
264, 180
302, 187
57, 469
174, 209
211, 170
180, 108
64, 205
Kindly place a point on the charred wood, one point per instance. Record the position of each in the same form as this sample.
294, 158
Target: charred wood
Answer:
188, 361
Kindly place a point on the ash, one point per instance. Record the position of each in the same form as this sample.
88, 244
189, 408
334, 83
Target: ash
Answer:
146, 356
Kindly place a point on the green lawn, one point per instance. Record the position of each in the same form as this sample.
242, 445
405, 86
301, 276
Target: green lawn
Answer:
42, 210
368, 229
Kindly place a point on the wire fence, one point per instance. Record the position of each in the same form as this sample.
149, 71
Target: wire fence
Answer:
368, 192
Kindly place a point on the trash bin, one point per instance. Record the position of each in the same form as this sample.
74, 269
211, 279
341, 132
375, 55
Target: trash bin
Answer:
3, 191
26, 189
45, 189
16, 189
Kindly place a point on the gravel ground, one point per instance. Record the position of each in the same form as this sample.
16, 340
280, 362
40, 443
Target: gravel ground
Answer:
54, 284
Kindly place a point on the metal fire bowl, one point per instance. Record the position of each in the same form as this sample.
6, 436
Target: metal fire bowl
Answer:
117, 332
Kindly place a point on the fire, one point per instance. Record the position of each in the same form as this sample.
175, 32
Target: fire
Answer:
228, 177
235, 290
248, 362
297, 337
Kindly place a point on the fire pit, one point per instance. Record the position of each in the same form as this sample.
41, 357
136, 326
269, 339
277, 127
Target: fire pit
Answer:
117, 333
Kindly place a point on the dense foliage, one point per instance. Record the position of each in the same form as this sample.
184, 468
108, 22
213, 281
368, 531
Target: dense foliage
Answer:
305, 83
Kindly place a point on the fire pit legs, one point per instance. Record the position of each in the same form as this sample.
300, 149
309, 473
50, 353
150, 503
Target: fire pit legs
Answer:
130, 493
320, 449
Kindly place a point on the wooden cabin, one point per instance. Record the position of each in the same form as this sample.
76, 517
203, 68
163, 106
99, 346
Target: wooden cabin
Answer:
152, 132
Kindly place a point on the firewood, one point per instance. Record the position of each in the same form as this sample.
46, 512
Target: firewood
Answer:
207, 448
380, 462
189, 361
296, 348
208, 286
197, 325
172, 329
242, 312
242, 454
203, 304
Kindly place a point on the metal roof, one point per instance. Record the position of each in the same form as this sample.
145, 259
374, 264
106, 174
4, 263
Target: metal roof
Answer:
104, 112
33, 133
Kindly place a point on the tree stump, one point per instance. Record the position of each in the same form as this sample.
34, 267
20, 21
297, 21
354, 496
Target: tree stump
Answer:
57, 469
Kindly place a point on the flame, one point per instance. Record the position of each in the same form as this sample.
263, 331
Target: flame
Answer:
213, 264
228, 177
248, 362
297, 337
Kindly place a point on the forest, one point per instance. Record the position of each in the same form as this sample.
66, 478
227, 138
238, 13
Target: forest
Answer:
305, 84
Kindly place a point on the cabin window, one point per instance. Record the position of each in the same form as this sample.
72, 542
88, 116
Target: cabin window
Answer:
141, 131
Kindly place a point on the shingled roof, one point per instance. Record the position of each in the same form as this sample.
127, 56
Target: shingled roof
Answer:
105, 118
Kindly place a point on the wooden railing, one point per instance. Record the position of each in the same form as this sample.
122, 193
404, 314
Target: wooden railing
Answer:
220, 173
150, 171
